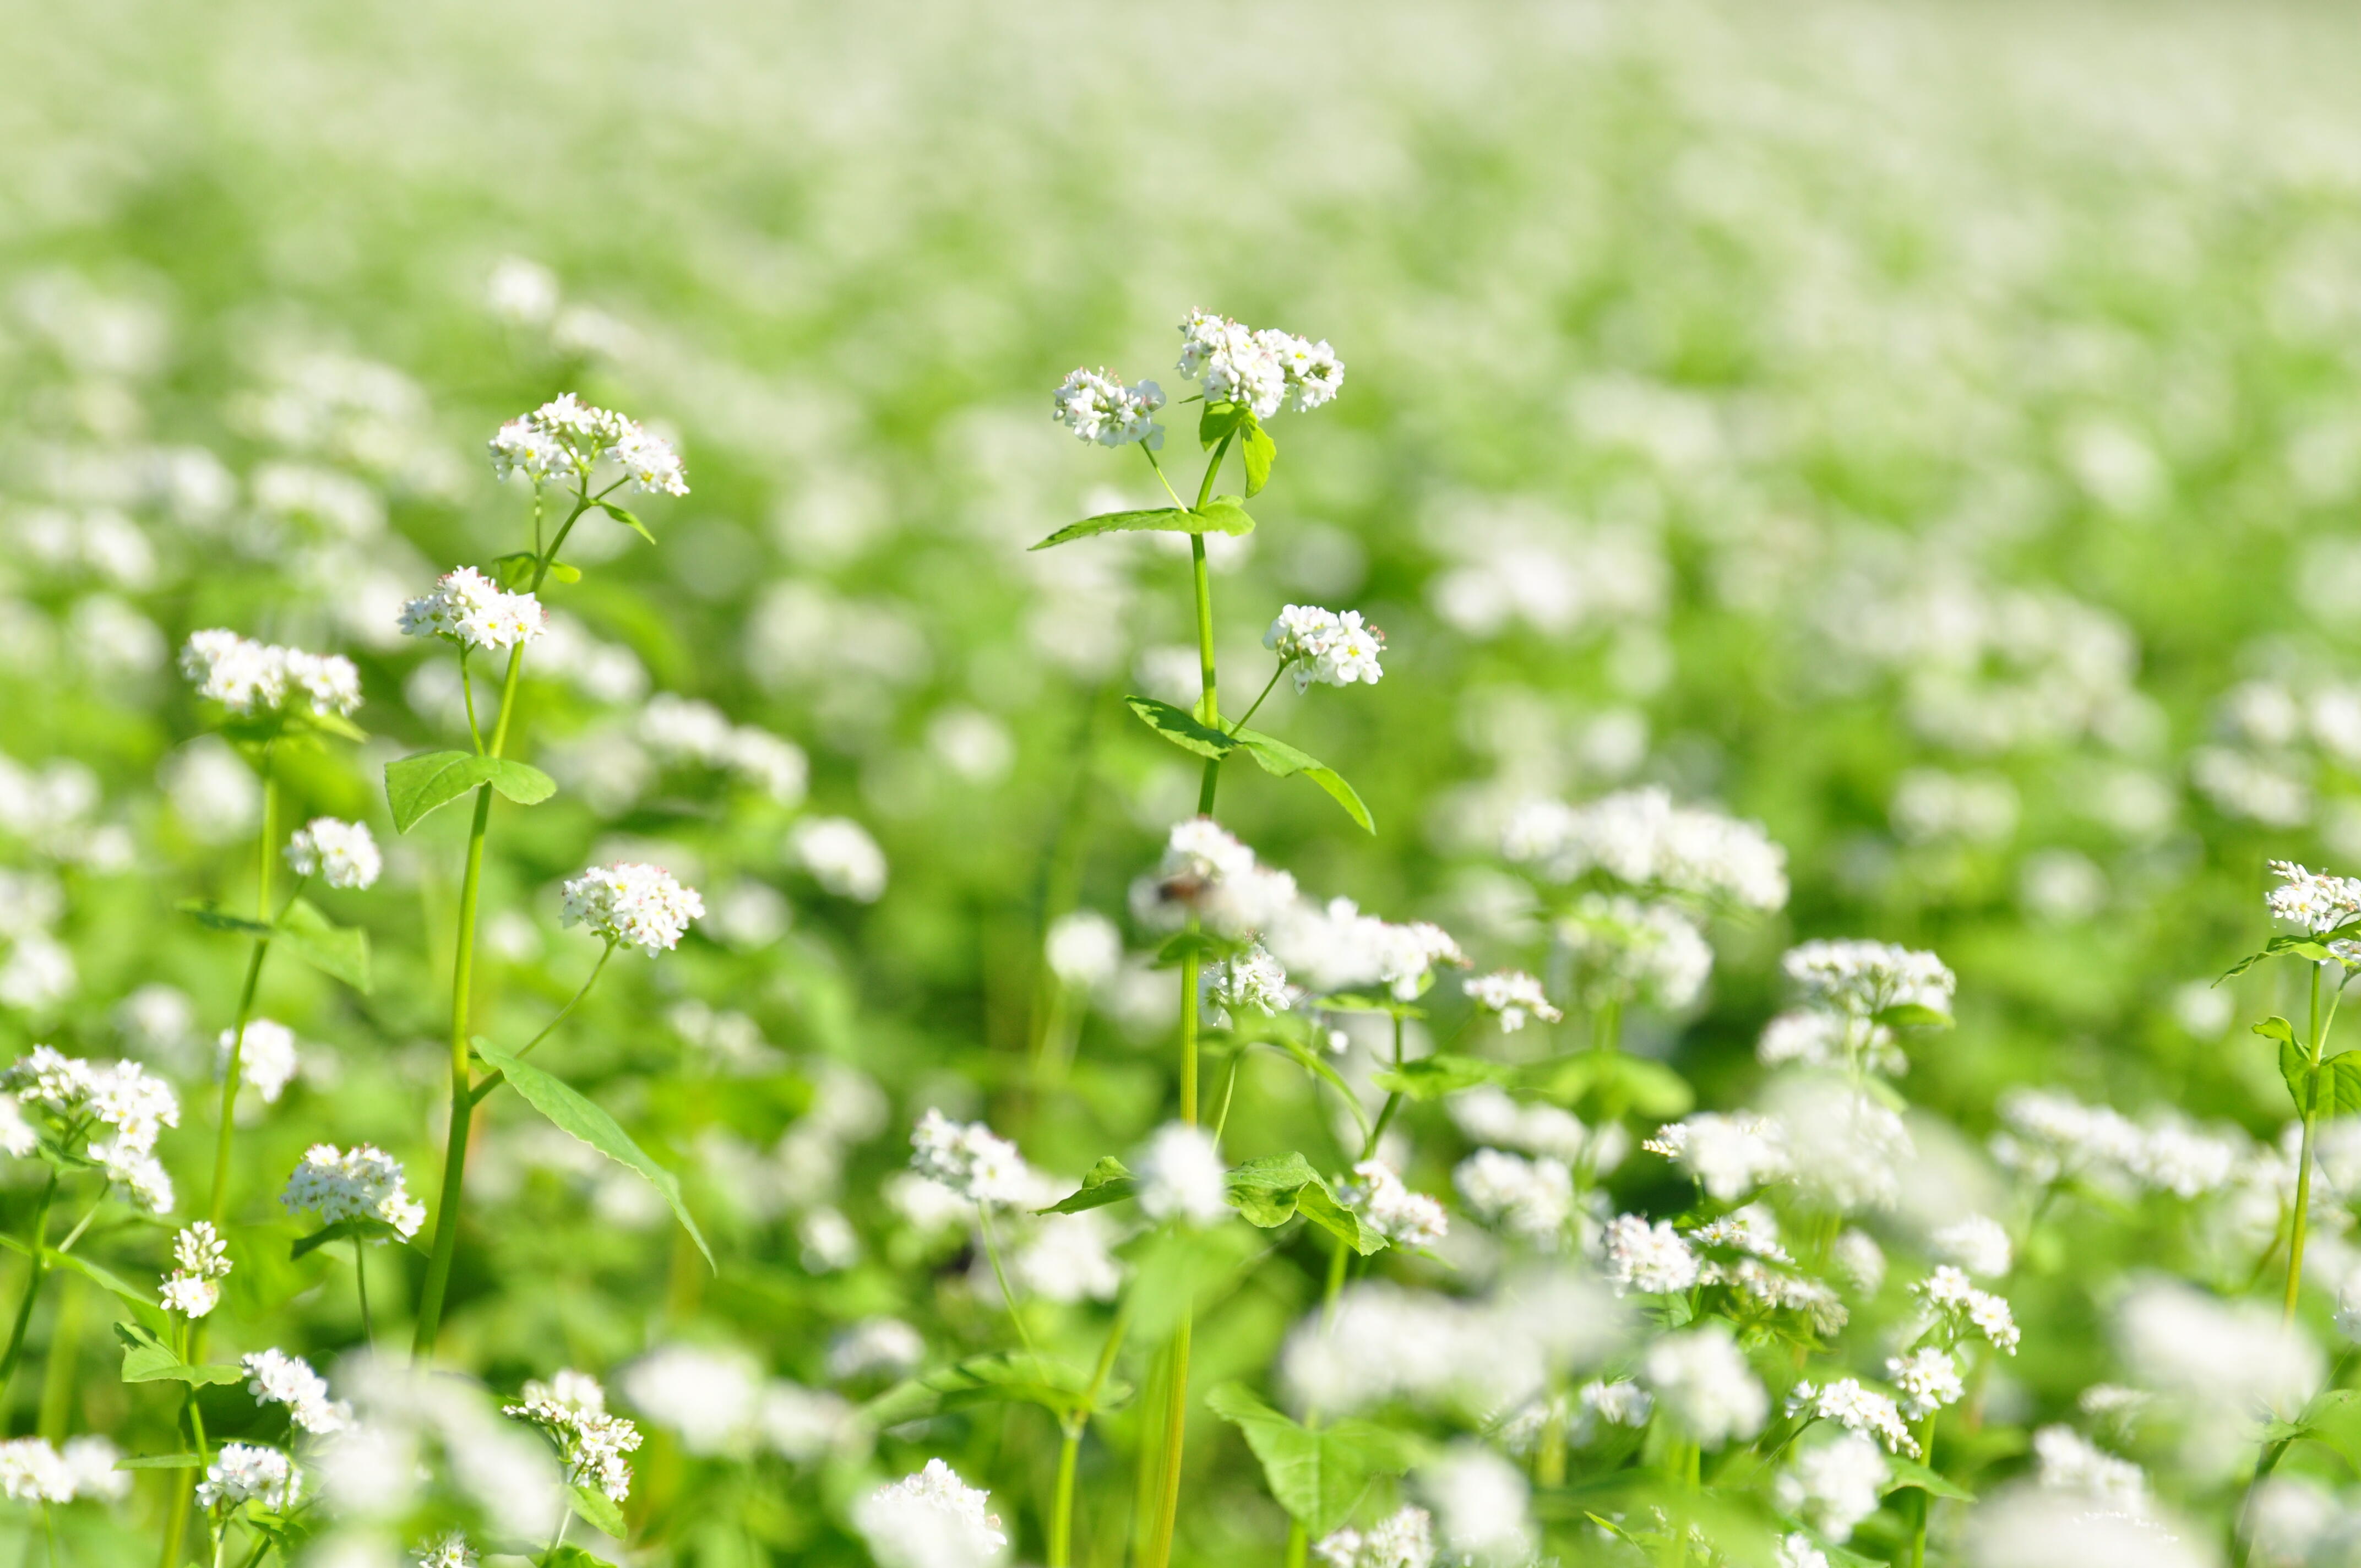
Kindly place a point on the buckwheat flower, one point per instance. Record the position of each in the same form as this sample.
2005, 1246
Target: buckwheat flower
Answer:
2312, 900
1701, 1380
1251, 980
33, 1472
92, 1461
652, 464
1929, 1378
1181, 1176
1641, 839
1315, 375
1621, 1403
470, 610
1321, 647
1949, 1291
1976, 1244
571, 1411
1512, 997
710, 1397
2073, 1463
1728, 1155
1862, 979
564, 439
1236, 366
931, 1519
1812, 1037
342, 854
1835, 1485
274, 1377
840, 856
1404, 1540
1489, 1115
450, 1550
1797, 1550
141, 1175
1530, 1198
1857, 1408
18, 1138
1083, 949
1481, 1504
1069, 1259
329, 680
1389, 1208
1651, 1259
268, 1060
243, 1473
1096, 406
1622, 950
630, 905
1207, 873
365, 1184
193, 1289
241, 674
973, 1161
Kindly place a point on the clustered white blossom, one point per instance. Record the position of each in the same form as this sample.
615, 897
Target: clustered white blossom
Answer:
566, 438
1977, 1244
1260, 370
2048, 1137
974, 1162
1815, 1038
74, 1099
342, 854
1728, 1155
1389, 1208
1700, 1378
2073, 1463
840, 856
1958, 1300
1252, 979
274, 1377
1641, 839
1181, 1176
1929, 1378
1529, 1198
267, 1056
1335, 948
1404, 1539
931, 1519
571, 1408
1623, 949
1320, 646
1511, 996
450, 1550
202, 1261
249, 677
1096, 406
1207, 873
2315, 901
1650, 1259
1834, 1485
1490, 1115
1855, 1408
33, 1471
633, 905
474, 611
1862, 979
245, 1472
364, 1184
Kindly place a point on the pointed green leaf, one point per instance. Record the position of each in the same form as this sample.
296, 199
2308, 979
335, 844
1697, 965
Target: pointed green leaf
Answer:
515, 569
148, 1359
1320, 1206
627, 520
1263, 1191
415, 786
2340, 1085
335, 724
1908, 1471
1913, 1016
206, 913
1224, 514
1106, 1182
587, 1121
341, 951
567, 1555
1431, 1078
1316, 1475
1276, 756
1002, 1377
597, 1509
1220, 516
1216, 421
1180, 728
143, 1306
2295, 1071
2276, 1028
1259, 452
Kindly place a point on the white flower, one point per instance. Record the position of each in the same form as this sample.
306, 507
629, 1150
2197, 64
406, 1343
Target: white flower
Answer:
1067, 1259
450, 1550
1083, 949
2073, 1463
1404, 1540
1335, 948
267, 1059
1929, 1378
973, 1161
840, 856
1701, 1380
365, 1184
1863, 979
1651, 1259
1797, 1550
1480, 1503
93, 1461
1728, 1155
71, 1098
274, 1377
243, 1473
1207, 873
1622, 950
2313, 900
1835, 1485
1320, 646
247, 677
1857, 1408
18, 1136
572, 1409
1530, 1198
711, 1397
1315, 375
931, 1519
1252, 979
1976, 1244
1641, 839
1513, 996
1949, 1292
1181, 1176
189, 1298
33, 1472
565, 438
192, 1290
475, 612
1489, 1115
1403, 1217
1096, 406
632, 905
1621, 1403
1812, 1037
1237, 367
342, 854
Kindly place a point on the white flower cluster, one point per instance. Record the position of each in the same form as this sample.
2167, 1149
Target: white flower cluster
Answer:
931, 1519
840, 856
31, 1471
1650, 1259
565, 438
1403, 1217
1511, 996
1640, 837
1491, 1116
1834, 1485
1622, 950
1322, 646
1251, 980
1334, 947
1385, 1343
474, 611
631, 906
1529, 1198
1977, 1244
1207, 873
1096, 406
202, 1261
75, 1098
266, 1058
1929, 1378
2047, 1136
1700, 1378
571, 1408
365, 1184
2073, 1463
450, 1550
274, 1377
247, 677
1855, 1408
1263, 371
683, 730
974, 1162
1812, 1037
2313, 900
1181, 1176
245, 1472
1729, 1155
1402, 1540
1960, 1302
342, 854
1860, 979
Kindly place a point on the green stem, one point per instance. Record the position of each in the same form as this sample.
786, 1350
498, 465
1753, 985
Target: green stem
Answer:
468, 691
37, 1260
475, 1096
2318, 1042
1075, 1423
1256, 705
992, 1251
226, 1134
360, 1283
1925, 1503
463, 1103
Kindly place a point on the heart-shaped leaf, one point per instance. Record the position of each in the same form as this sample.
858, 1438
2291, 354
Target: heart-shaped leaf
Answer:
1259, 452
415, 786
1106, 1182
342, 951
1317, 1474
148, 1359
1179, 726
1276, 756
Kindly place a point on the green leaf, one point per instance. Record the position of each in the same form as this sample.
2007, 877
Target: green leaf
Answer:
335, 724
1322, 1207
565, 574
2276, 1028
2340, 1084
206, 913
2294, 1071
415, 786
567, 1555
1263, 1191
1316, 1475
1224, 514
1002, 1377
1220, 516
1106, 1182
339, 951
627, 520
2303, 945
595, 1508
1259, 452
1908, 1471
1181, 727
1276, 756
589, 1121
148, 1359
514, 570
1218, 420
1431, 1078
2333, 1420
142, 1306
162, 1462
1913, 1016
